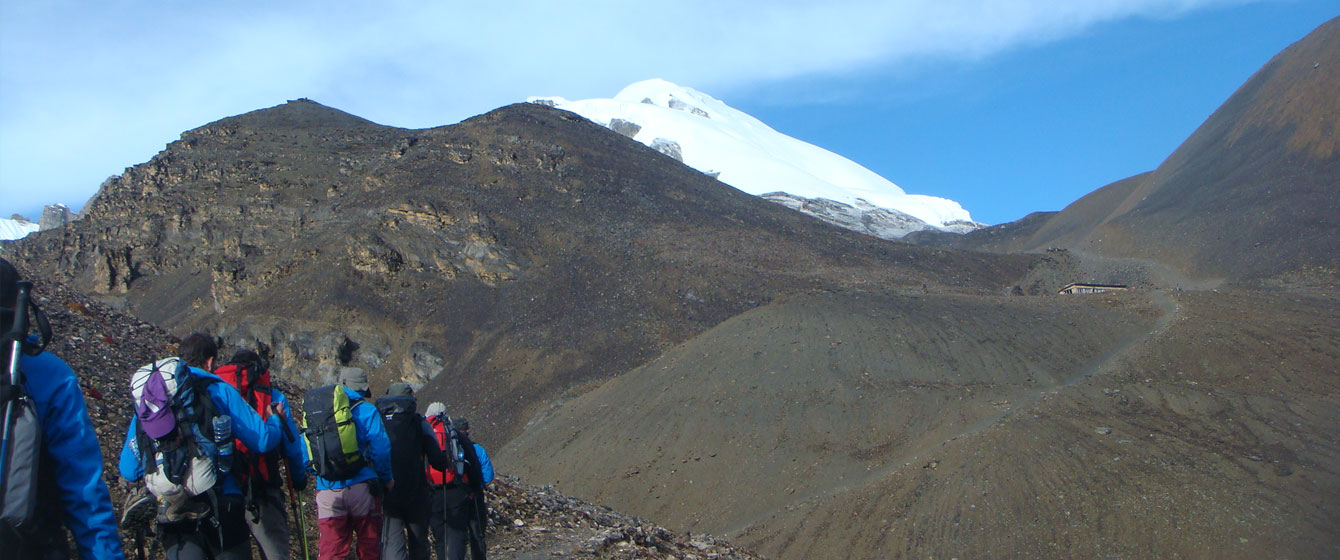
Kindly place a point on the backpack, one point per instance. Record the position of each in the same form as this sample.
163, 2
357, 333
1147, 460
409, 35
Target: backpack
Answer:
332, 436
404, 429
401, 419
450, 443
252, 381
21, 443
180, 464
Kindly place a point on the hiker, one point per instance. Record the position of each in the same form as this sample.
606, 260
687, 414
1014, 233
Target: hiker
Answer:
457, 492
352, 458
479, 520
405, 512
46, 405
258, 473
180, 443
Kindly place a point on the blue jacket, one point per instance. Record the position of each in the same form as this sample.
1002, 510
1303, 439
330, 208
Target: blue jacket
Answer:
485, 465
72, 448
294, 449
262, 436
372, 441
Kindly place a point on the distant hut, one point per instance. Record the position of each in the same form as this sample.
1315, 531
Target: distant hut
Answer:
1078, 288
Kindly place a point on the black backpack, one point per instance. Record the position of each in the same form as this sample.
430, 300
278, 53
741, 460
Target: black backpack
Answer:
21, 433
332, 436
404, 427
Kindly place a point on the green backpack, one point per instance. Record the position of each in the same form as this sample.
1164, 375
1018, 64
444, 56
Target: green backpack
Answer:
332, 437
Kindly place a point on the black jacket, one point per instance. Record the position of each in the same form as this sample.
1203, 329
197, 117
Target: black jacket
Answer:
412, 442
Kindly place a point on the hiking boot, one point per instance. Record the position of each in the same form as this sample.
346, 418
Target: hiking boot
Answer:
139, 509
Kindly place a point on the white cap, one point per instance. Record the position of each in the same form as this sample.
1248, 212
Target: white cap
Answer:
435, 409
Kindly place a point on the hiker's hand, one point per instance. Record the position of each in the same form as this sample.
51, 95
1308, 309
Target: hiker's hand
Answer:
390, 484
277, 409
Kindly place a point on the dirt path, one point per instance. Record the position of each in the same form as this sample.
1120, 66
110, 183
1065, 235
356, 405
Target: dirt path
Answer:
1165, 283
1161, 296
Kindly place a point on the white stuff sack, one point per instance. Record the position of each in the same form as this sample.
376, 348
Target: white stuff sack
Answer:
199, 481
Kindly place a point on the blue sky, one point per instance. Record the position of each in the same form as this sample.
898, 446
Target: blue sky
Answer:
1035, 128
1006, 106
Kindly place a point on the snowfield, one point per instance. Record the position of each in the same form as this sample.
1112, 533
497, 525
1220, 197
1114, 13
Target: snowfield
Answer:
742, 151
15, 229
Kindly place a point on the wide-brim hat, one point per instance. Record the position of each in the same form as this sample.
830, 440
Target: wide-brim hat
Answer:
400, 390
354, 378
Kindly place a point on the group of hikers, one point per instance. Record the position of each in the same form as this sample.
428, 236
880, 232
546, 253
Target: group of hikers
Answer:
214, 459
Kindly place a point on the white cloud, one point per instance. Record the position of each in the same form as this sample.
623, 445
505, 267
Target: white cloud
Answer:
88, 89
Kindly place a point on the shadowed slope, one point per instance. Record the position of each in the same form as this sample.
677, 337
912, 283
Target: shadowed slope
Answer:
794, 400
1215, 439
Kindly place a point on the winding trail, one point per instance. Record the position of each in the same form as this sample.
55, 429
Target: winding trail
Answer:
1161, 276
1165, 282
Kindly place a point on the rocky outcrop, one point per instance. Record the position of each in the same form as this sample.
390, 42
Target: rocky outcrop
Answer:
866, 218
679, 105
668, 147
626, 128
56, 215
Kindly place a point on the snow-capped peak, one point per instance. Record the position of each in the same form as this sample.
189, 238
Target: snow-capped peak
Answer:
742, 151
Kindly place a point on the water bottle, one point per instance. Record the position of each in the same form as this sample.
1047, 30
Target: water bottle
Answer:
223, 439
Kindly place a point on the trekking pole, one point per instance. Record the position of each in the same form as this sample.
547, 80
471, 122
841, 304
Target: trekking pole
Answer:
479, 550
294, 502
139, 542
298, 508
16, 335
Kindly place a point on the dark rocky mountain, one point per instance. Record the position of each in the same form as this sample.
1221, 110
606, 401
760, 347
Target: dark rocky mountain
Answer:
1249, 196
503, 261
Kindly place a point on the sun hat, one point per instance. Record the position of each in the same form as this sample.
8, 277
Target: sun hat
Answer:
152, 388
354, 378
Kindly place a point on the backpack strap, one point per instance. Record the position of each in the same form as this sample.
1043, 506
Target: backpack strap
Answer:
43, 331
146, 446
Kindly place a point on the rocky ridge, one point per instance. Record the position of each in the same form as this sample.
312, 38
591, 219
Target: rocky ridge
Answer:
513, 257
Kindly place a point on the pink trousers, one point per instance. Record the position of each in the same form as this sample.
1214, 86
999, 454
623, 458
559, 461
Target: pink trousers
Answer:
342, 514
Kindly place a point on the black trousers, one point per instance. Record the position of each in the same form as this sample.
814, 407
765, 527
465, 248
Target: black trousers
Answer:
405, 530
450, 522
201, 540
50, 541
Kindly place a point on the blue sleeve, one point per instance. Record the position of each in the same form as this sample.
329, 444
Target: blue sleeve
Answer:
131, 465
72, 445
373, 438
485, 465
248, 427
294, 449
